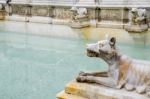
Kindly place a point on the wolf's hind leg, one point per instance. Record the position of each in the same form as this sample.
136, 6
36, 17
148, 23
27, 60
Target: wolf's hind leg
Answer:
148, 91
141, 89
96, 74
121, 84
106, 81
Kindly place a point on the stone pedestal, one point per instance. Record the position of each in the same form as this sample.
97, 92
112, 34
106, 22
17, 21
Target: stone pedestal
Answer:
80, 23
2, 14
137, 28
75, 90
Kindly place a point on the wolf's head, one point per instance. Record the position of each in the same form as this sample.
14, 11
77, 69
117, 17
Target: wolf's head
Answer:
104, 49
134, 10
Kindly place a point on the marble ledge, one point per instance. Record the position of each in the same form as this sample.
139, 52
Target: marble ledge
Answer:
82, 4
88, 5
2, 2
63, 95
94, 91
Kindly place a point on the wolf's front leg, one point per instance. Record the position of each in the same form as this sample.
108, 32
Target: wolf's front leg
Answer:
106, 81
96, 74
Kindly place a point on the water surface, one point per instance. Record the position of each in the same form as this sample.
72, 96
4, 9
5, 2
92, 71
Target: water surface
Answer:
37, 63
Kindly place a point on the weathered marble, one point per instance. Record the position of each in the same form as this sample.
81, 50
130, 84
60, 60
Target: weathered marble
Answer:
2, 13
40, 19
86, 2
63, 95
94, 91
40, 11
18, 18
91, 12
80, 18
138, 20
111, 14
62, 13
19, 9
99, 11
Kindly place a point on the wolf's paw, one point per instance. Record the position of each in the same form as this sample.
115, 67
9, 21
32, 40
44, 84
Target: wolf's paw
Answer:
148, 91
121, 84
129, 87
141, 89
80, 79
148, 94
82, 73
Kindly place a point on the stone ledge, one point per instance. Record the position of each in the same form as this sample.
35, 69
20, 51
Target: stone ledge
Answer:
39, 19
18, 18
63, 95
110, 24
94, 91
60, 21
3, 2
82, 4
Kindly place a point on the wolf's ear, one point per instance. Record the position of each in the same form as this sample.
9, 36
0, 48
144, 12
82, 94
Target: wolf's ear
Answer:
112, 41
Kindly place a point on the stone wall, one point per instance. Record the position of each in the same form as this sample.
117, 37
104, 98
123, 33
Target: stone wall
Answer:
98, 10
19, 9
40, 11
111, 14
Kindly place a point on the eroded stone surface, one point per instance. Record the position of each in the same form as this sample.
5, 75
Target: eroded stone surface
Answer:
138, 20
94, 91
63, 95
80, 18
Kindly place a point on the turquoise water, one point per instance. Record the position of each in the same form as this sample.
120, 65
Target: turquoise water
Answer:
38, 67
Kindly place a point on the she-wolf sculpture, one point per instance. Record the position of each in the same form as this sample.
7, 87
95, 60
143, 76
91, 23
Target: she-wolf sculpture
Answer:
123, 72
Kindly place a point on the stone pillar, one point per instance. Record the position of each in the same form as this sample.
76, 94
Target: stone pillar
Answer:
125, 15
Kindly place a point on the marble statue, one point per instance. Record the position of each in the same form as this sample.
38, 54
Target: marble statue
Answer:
137, 20
123, 71
80, 18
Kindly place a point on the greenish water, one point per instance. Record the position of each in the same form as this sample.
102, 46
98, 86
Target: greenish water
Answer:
38, 67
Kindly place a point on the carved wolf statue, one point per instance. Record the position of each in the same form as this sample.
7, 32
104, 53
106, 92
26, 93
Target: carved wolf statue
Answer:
138, 16
138, 20
123, 72
80, 18
79, 12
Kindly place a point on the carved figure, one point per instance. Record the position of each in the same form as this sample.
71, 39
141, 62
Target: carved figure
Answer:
137, 20
79, 13
138, 16
80, 17
123, 71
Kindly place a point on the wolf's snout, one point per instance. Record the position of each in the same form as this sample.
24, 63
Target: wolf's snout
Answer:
88, 46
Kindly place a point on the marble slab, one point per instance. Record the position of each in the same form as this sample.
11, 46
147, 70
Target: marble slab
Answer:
94, 91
